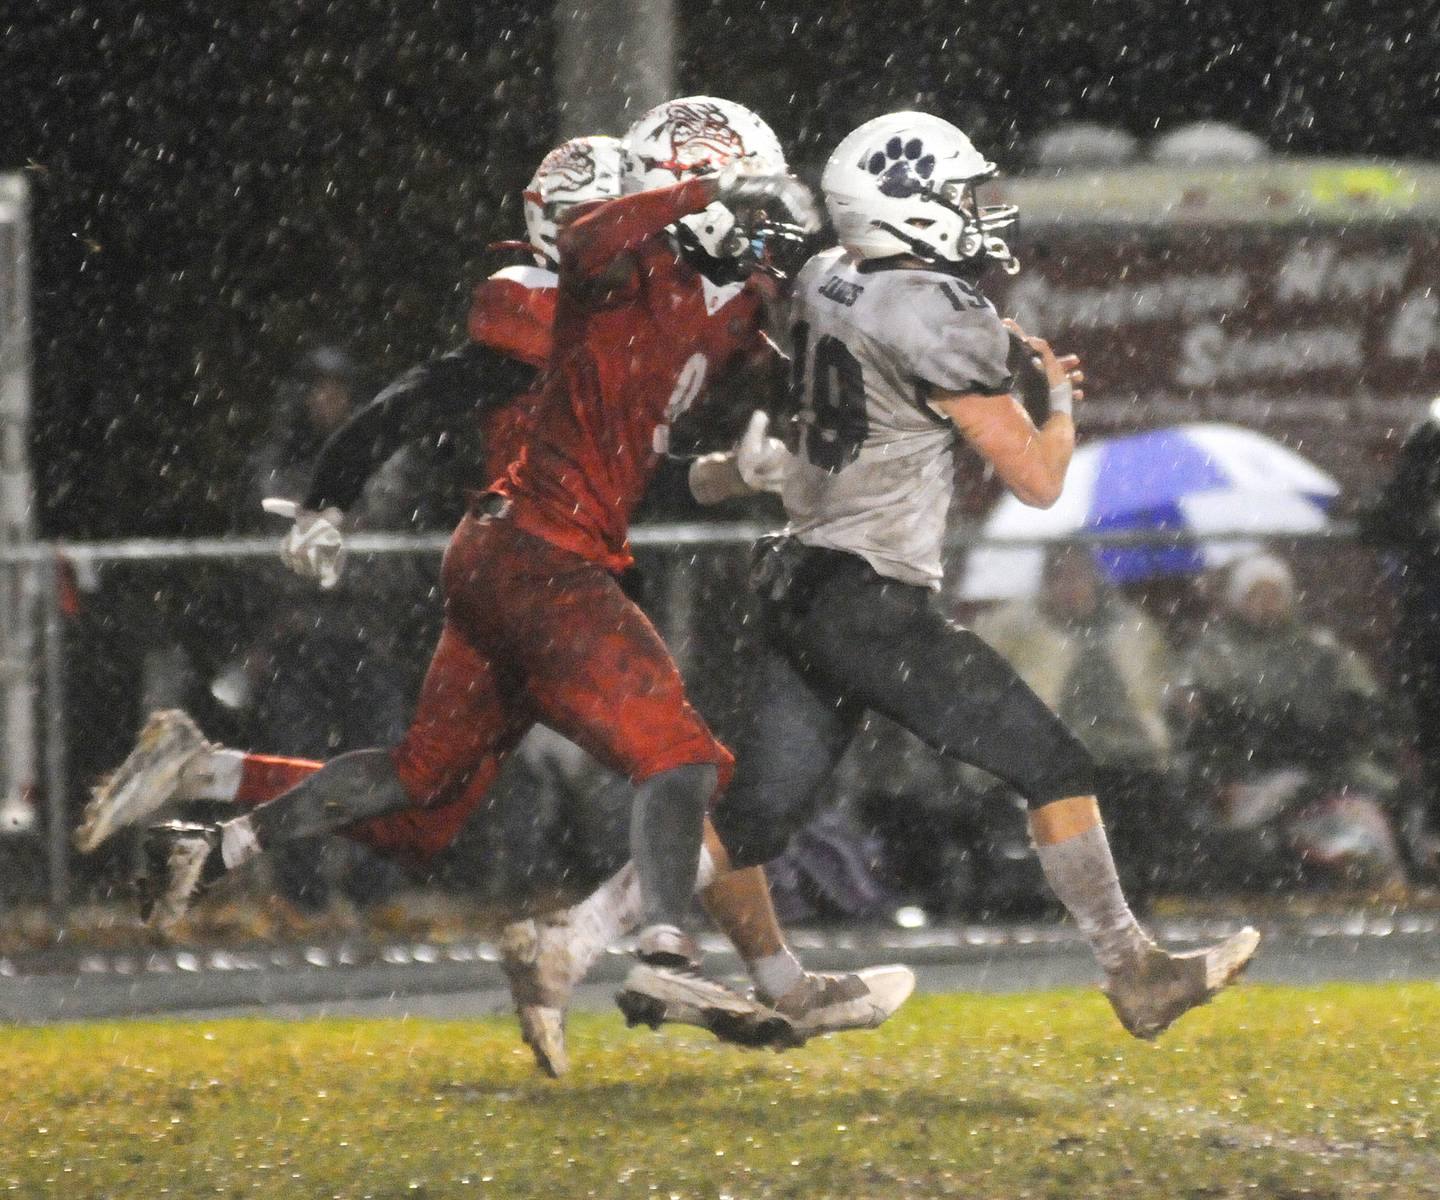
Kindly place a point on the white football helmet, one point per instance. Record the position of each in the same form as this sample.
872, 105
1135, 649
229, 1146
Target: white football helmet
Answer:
905, 183
584, 168
701, 135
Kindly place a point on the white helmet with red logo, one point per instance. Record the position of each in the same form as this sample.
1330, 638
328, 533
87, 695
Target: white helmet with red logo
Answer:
700, 135
584, 168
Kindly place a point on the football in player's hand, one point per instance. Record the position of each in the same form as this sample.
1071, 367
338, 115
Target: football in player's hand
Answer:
1032, 389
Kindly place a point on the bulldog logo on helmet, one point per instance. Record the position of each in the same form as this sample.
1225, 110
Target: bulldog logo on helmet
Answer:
569, 168
699, 134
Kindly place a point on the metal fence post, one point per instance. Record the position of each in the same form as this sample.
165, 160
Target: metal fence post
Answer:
18, 757
57, 782
681, 583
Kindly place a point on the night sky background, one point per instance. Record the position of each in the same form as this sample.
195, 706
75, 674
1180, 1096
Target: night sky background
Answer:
214, 194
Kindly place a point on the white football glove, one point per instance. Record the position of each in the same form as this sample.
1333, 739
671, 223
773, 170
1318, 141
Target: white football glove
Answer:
760, 459
740, 192
314, 548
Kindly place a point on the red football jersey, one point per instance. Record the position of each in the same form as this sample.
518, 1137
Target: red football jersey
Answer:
639, 335
513, 312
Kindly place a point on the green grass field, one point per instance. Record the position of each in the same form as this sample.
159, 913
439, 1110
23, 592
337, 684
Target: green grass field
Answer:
1269, 1092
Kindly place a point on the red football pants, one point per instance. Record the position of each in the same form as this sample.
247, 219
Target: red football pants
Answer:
532, 633
536, 633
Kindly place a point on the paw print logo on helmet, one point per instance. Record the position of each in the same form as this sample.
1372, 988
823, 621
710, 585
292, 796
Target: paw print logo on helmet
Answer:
904, 184
903, 167
578, 170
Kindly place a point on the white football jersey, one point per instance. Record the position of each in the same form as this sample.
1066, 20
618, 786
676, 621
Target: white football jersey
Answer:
875, 464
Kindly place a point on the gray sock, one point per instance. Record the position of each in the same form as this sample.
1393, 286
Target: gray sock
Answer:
1081, 873
353, 787
665, 838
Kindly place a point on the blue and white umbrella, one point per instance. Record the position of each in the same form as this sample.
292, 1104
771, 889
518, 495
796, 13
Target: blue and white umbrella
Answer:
1203, 479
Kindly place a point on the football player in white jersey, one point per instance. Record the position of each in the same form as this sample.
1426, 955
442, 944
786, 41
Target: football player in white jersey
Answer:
897, 359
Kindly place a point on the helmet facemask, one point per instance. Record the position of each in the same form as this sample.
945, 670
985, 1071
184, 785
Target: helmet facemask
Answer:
975, 229
982, 224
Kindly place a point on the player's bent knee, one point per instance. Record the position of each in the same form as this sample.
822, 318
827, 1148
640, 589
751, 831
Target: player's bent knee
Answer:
1068, 771
752, 840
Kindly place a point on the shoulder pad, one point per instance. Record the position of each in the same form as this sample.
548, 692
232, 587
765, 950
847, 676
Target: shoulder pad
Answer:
513, 312
527, 275
951, 333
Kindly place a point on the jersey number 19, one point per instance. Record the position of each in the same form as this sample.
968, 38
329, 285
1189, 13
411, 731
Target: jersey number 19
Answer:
828, 389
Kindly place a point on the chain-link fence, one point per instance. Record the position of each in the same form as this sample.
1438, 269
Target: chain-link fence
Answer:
265, 662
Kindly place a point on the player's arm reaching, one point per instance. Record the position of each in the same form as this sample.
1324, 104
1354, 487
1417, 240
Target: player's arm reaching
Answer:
1031, 462
596, 235
426, 402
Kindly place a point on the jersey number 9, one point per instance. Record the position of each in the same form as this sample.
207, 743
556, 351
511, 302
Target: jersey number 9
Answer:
687, 386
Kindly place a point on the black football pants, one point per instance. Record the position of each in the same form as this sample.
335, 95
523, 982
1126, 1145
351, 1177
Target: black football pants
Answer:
838, 638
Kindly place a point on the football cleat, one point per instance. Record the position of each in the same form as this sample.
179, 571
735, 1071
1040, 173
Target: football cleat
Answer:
541, 970
1151, 995
145, 782
824, 1003
656, 996
182, 860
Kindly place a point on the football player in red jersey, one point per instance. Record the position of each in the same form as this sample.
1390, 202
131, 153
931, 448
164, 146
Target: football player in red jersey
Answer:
485, 388
489, 383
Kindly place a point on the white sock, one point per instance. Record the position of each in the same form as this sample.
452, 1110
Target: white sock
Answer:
776, 974
1082, 875
614, 908
610, 911
212, 775
238, 843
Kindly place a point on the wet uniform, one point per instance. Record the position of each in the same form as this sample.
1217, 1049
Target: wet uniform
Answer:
488, 386
848, 591
536, 626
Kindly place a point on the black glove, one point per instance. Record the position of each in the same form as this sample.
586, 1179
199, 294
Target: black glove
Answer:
1031, 386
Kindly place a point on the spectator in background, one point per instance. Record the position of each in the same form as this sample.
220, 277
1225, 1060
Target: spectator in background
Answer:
313, 403
1286, 742
1104, 667
327, 671
1404, 519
